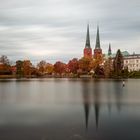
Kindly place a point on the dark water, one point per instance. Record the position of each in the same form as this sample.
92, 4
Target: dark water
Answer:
69, 109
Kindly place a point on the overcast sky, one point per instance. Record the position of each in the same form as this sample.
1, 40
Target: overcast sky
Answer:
54, 30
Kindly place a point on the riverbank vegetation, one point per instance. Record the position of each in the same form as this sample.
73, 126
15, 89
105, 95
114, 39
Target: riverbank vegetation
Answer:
96, 68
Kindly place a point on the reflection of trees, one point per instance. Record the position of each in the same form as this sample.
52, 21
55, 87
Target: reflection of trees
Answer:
108, 90
118, 93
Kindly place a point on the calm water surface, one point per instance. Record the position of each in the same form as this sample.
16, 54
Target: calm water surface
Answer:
69, 109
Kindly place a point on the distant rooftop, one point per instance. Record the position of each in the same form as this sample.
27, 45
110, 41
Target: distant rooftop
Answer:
125, 54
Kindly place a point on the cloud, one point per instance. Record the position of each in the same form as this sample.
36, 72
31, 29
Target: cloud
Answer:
56, 29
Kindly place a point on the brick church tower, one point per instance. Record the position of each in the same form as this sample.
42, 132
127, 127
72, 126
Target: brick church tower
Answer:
88, 49
97, 50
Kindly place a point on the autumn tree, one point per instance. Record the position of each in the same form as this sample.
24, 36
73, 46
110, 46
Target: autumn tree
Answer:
41, 66
98, 61
108, 68
118, 63
5, 65
4, 60
85, 65
27, 68
59, 67
49, 68
98, 65
73, 65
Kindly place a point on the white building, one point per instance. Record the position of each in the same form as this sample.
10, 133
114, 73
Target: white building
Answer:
132, 62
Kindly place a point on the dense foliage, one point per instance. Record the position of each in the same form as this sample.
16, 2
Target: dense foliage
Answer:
97, 68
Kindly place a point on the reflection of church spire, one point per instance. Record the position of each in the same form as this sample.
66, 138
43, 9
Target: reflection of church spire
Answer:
96, 106
86, 101
96, 96
86, 106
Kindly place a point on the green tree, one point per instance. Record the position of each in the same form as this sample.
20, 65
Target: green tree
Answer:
19, 67
118, 64
27, 68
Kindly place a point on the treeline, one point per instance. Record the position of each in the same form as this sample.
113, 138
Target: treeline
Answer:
98, 68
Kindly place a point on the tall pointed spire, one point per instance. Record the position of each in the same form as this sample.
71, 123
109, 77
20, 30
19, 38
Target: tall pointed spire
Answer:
97, 46
87, 49
109, 50
87, 38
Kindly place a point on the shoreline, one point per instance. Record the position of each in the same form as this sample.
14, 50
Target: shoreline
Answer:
61, 77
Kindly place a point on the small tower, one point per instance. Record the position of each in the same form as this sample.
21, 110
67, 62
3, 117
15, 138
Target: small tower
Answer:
97, 50
87, 49
109, 50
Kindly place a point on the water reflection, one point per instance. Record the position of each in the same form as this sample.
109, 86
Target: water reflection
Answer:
94, 93
96, 97
118, 91
45, 107
91, 95
86, 100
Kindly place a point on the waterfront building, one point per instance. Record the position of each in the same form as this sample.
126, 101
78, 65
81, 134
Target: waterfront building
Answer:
132, 62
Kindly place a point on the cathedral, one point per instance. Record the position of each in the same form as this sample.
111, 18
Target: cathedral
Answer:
88, 49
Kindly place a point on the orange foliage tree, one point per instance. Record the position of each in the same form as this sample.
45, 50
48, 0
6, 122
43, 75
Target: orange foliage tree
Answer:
85, 65
41, 66
49, 68
5, 65
73, 65
27, 68
59, 67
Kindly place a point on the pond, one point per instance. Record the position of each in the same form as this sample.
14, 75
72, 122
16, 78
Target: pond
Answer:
69, 109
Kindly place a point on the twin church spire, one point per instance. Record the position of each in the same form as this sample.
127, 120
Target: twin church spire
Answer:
87, 38
88, 49
97, 46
